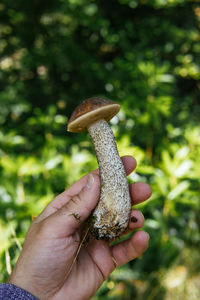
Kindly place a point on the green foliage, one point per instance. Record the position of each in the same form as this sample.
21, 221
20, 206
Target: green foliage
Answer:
143, 54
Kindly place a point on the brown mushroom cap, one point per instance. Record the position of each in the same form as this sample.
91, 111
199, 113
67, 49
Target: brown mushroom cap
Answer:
90, 111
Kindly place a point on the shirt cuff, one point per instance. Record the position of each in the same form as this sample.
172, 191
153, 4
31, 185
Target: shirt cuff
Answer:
10, 291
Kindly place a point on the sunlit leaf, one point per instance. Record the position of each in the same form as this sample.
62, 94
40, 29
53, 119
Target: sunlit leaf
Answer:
178, 190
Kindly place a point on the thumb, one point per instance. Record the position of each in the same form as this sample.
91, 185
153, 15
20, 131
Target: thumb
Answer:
70, 216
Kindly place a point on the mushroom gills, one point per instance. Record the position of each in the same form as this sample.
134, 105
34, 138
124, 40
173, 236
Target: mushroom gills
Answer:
111, 215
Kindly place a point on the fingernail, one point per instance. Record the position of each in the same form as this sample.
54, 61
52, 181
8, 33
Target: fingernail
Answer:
134, 219
90, 181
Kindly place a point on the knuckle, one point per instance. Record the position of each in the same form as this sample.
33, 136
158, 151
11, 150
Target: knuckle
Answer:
76, 199
42, 228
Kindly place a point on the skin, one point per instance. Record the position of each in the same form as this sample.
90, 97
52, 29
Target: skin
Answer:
44, 266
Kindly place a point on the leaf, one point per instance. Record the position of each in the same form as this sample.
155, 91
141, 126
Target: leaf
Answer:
178, 190
183, 168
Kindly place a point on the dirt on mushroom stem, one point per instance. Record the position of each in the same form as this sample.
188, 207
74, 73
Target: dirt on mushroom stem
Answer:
111, 216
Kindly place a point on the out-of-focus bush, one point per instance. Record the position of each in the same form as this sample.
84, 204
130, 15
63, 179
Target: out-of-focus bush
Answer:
142, 54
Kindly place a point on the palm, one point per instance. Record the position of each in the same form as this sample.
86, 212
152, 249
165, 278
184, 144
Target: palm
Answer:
92, 266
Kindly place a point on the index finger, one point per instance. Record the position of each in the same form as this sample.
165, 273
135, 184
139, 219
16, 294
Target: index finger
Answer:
129, 165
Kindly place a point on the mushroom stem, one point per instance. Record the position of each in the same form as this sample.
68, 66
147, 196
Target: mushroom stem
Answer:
111, 216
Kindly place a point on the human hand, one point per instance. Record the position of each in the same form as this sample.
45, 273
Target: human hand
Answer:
44, 266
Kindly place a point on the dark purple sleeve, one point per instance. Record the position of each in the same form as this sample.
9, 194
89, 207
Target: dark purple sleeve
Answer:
12, 292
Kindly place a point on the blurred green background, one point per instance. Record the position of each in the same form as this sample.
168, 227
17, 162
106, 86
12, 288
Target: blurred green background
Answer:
144, 55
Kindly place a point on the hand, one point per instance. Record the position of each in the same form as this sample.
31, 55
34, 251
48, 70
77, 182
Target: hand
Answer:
44, 266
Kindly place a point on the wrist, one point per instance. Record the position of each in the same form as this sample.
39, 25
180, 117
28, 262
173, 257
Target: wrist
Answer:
20, 283
13, 292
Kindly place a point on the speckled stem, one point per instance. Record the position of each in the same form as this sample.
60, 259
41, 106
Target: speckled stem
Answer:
111, 216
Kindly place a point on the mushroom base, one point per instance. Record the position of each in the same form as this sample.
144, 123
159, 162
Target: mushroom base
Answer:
107, 233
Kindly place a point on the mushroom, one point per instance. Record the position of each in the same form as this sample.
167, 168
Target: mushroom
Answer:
111, 215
